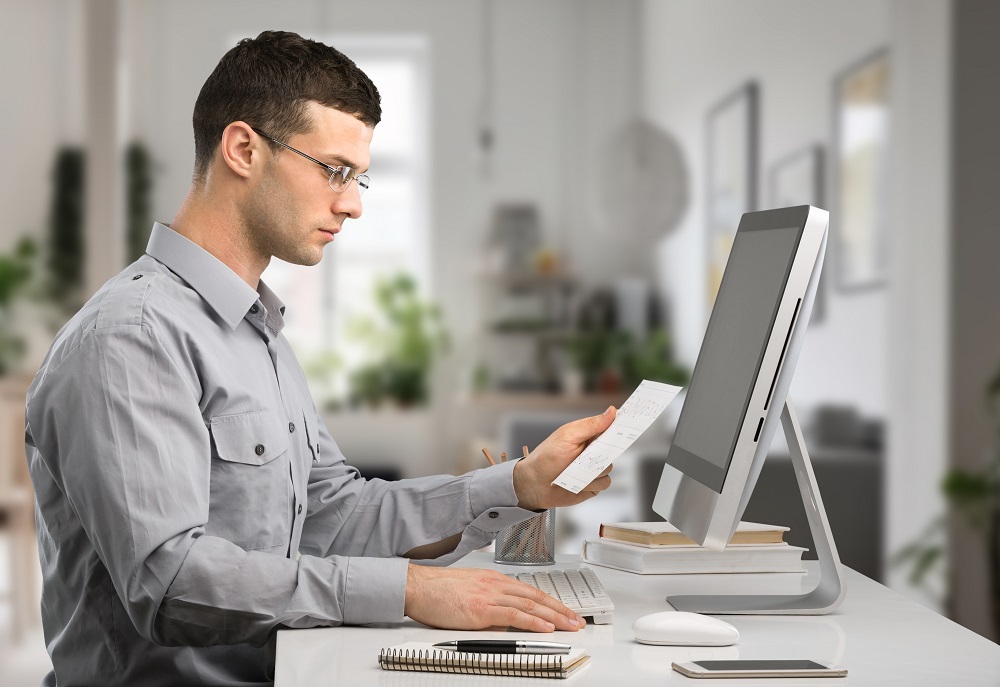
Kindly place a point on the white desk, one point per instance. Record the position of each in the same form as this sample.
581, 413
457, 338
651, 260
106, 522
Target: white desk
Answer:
881, 637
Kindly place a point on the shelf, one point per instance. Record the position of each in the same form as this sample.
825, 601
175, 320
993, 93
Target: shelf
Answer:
530, 281
545, 401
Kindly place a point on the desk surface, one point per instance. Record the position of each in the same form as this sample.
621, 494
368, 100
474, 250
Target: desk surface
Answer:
881, 637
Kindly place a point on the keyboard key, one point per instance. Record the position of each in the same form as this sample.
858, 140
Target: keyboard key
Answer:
579, 590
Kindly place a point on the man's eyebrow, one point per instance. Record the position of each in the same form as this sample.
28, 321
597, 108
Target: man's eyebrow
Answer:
337, 161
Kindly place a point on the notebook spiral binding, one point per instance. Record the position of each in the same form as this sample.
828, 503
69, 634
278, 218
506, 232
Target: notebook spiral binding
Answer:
510, 665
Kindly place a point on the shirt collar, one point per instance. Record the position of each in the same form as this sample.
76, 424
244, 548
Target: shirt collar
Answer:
215, 282
273, 305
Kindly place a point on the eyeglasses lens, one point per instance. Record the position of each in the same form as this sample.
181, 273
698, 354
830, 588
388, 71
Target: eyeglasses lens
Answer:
341, 179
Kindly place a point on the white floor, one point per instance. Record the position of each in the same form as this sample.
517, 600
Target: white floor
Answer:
25, 663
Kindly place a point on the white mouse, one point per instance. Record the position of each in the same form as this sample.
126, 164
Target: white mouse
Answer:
679, 628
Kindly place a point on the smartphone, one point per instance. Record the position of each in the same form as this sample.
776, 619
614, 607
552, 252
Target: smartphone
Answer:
761, 668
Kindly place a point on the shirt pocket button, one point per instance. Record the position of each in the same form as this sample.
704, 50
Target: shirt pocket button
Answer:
259, 450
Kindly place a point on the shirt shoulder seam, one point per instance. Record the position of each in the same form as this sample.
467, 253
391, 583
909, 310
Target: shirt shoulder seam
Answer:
125, 302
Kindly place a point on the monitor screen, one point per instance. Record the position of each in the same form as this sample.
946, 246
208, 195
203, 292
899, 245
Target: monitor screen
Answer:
731, 353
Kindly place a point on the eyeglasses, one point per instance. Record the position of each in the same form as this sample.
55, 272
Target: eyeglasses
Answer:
340, 177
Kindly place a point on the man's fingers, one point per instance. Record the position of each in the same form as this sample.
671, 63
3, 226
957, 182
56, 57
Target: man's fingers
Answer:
509, 616
591, 490
461, 598
537, 596
599, 423
583, 430
599, 484
556, 619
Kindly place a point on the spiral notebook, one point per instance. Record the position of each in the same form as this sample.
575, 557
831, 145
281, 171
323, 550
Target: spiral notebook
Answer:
424, 657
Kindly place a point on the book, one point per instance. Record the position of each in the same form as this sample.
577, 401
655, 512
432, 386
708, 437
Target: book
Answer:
420, 656
665, 534
686, 560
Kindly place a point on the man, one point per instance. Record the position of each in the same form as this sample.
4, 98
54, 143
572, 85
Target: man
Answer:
190, 501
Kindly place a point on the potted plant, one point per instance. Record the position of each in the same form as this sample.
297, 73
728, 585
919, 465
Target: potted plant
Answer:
16, 270
403, 338
653, 359
598, 355
608, 359
66, 250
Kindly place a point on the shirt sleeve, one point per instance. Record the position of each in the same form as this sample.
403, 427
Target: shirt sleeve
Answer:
351, 516
122, 435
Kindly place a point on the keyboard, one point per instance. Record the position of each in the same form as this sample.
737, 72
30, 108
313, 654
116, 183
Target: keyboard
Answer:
578, 589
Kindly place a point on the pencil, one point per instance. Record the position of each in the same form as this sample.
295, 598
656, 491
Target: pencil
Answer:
489, 457
524, 449
503, 456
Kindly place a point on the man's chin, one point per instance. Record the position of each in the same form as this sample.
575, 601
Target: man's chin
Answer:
309, 259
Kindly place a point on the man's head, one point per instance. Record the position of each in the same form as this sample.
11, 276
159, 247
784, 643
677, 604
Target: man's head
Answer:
268, 82
269, 94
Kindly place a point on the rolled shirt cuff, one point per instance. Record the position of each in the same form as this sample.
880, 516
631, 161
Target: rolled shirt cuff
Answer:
375, 591
493, 499
493, 487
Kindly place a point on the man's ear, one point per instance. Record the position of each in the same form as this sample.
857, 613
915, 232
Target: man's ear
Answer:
240, 148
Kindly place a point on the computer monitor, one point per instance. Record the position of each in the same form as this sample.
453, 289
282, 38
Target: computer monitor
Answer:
737, 397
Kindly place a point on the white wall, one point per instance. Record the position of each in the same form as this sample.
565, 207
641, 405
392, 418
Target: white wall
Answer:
40, 106
696, 53
920, 242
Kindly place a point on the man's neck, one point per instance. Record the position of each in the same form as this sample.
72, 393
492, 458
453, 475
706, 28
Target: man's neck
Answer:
217, 227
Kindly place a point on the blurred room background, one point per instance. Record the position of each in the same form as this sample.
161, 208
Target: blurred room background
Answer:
554, 186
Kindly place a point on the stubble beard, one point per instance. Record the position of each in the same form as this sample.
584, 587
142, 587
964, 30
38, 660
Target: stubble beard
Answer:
272, 229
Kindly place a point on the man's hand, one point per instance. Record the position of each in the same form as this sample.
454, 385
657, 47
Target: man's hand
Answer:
474, 599
533, 475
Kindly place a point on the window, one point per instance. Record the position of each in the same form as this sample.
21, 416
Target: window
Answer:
392, 234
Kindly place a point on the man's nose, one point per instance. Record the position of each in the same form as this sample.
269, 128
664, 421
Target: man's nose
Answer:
348, 201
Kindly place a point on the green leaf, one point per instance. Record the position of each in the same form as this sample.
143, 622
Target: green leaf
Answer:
403, 338
925, 562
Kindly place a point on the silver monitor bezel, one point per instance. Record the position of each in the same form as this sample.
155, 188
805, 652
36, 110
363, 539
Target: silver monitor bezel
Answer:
710, 517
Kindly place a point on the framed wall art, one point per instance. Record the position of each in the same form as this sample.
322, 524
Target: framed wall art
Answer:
732, 145
860, 158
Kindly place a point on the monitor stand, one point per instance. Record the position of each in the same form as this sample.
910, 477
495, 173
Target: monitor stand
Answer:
830, 591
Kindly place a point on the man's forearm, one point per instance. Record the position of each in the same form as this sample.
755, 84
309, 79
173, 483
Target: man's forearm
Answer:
224, 595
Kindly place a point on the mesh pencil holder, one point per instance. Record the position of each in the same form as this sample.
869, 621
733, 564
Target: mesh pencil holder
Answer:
530, 542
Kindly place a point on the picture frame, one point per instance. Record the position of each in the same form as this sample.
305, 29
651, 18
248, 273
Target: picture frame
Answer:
860, 161
732, 134
798, 179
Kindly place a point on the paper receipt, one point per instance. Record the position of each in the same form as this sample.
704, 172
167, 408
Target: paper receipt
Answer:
633, 418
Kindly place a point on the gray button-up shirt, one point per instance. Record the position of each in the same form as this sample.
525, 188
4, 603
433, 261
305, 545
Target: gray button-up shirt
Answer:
190, 500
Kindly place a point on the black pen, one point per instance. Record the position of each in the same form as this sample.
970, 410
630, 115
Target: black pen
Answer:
504, 646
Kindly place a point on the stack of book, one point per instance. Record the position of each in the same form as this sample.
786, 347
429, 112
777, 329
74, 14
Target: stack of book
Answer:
659, 548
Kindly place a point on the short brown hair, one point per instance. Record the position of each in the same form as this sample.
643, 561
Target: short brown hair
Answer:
268, 81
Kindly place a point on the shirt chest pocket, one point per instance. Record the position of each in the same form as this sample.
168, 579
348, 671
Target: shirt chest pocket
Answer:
251, 481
